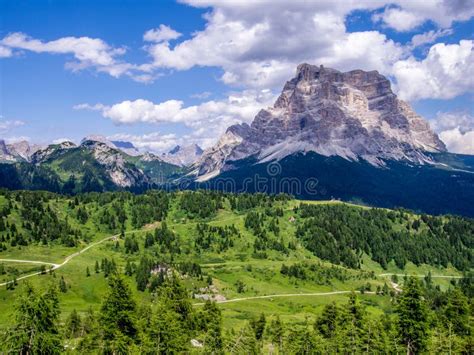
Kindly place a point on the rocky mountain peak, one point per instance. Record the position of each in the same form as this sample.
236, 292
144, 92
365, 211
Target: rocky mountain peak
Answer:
126, 147
183, 155
352, 114
43, 154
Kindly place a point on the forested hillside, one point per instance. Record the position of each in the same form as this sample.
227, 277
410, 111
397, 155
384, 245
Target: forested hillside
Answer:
209, 272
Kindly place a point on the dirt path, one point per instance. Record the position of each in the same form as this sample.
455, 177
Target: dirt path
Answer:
424, 275
285, 295
28, 262
54, 266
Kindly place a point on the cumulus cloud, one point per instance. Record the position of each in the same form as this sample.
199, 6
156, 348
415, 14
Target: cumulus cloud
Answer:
398, 19
456, 130
449, 120
458, 142
214, 115
162, 34
87, 52
406, 15
443, 74
259, 44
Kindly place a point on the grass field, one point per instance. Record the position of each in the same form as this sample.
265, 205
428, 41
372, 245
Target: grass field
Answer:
260, 277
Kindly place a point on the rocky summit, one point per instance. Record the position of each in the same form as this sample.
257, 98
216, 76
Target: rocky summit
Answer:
354, 115
183, 155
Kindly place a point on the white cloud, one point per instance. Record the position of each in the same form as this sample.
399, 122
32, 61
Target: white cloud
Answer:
457, 141
201, 95
449, 120
398, 19
5, 52
87, 52
259, 44
209, 119
456, 130
429, 37
162, 34
96, 107
7, 125
409, 14
446, 72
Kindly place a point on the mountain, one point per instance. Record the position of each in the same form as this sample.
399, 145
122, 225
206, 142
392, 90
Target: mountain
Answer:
23, 149
354, 115
44, 154
18, 151
95, 165
5, 155
183, 156
127, 147
350, 136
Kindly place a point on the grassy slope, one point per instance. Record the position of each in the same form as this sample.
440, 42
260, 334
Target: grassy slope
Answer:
262, 277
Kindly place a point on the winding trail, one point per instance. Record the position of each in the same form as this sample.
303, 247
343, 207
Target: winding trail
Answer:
72, 256
54, 266
29, 262
424, 275
287, 295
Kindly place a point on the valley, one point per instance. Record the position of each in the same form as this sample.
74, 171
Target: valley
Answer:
252, 254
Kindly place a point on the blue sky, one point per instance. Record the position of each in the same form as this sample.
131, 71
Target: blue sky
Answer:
160, 73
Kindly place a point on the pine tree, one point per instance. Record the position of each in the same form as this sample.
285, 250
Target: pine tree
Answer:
35, 324
456, 312
97, 268
243, 343
128, 269
88, 273
166, 332
327, 322
258, 325
117, 316
276, 332
211, 316
62, 285
142, 274
412, 317
73, 324
304, 341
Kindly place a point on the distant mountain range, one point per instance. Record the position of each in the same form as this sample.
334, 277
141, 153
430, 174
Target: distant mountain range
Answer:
97, 164
344, 133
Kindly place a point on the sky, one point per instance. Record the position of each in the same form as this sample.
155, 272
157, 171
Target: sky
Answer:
161, 73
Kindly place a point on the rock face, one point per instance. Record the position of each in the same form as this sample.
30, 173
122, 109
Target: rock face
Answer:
5, 155
121, 172
354, 115
183, 155
44, 154
127, 148
18, 151
23, 149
